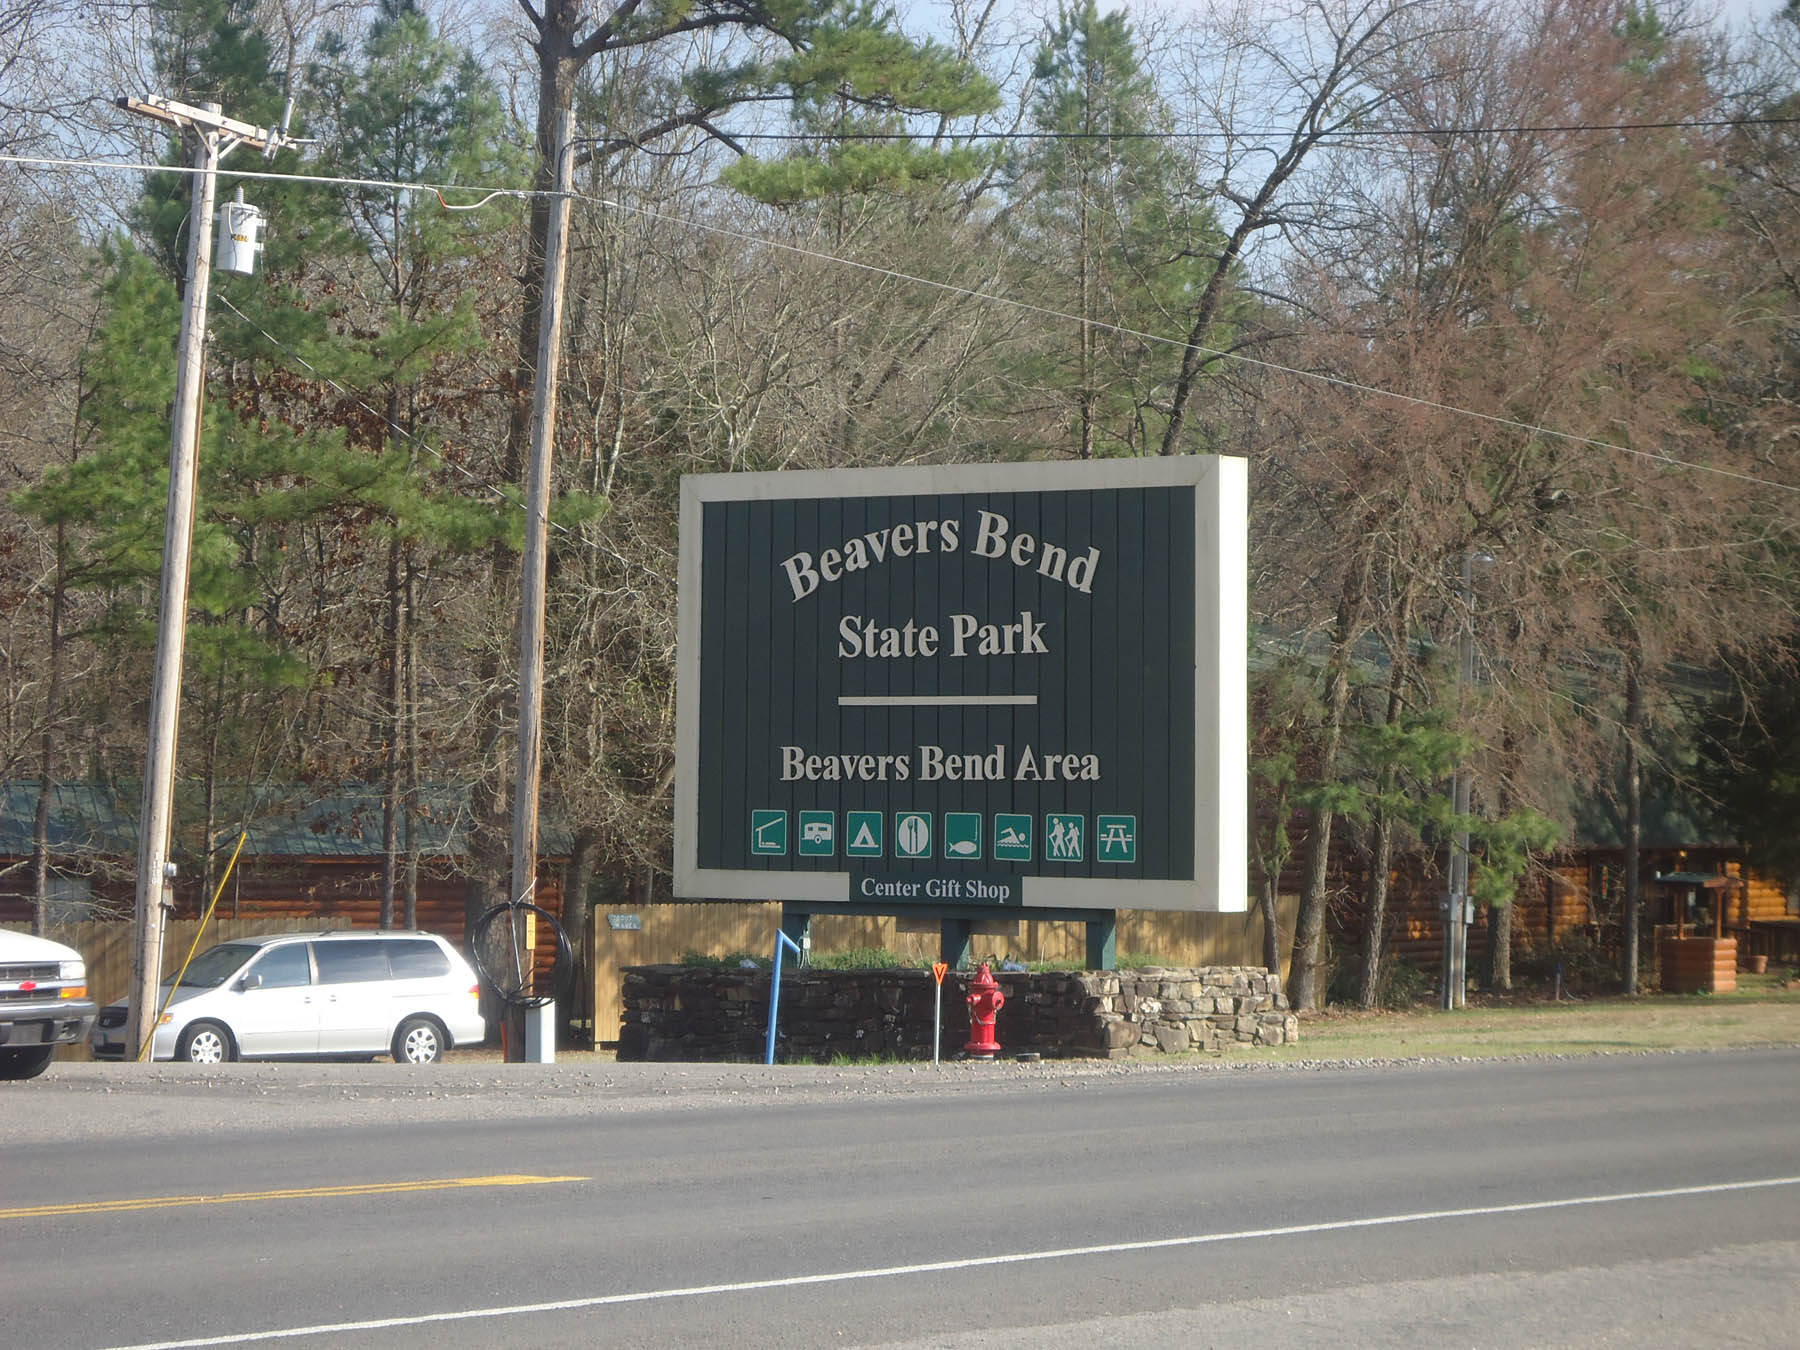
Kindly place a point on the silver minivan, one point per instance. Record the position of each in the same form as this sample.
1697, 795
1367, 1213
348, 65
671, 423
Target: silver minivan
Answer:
320, 995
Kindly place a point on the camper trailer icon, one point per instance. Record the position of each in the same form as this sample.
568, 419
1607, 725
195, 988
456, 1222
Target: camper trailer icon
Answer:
818, 834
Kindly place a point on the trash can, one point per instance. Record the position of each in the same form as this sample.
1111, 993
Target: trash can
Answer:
540, 1034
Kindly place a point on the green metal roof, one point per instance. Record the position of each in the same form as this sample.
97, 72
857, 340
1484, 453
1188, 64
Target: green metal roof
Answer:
92, 818
84, 818
348, 824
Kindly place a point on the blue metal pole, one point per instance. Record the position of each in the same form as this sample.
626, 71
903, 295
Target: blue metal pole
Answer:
781, 940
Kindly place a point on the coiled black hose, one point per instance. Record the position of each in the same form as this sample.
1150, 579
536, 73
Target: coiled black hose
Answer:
513, 983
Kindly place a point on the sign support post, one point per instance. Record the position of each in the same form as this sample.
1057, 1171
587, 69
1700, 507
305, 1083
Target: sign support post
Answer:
1103, 942
956, 944
938, 971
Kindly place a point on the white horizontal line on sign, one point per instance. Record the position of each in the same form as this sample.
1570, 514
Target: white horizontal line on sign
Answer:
937, 700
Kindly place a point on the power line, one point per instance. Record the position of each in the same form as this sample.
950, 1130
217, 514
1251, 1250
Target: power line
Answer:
1245, 133
1348, 133
269, 176
1337, 381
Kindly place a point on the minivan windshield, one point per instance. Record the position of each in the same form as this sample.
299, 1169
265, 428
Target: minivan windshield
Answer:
215, 965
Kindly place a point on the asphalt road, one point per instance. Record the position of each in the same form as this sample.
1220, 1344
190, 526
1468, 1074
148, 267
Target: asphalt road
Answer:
1642, 1200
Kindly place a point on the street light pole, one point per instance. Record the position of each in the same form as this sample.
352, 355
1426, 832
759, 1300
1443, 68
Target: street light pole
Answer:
215, 136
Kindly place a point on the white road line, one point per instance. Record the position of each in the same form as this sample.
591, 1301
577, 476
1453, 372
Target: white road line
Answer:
966, 1263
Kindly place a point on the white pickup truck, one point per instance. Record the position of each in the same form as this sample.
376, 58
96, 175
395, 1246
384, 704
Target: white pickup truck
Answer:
44, 1002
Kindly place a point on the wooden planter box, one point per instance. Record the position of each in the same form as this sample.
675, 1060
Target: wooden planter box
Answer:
1697, 965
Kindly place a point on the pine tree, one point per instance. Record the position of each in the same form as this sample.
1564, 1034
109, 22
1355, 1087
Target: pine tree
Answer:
1111, 232
404, 106
264, 476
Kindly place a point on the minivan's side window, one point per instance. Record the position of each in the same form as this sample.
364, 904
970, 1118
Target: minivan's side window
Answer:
350, 962
215, 965
284, 967
415, 958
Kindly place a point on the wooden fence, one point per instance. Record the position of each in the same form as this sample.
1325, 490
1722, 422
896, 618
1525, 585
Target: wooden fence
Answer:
667, 932
670, 931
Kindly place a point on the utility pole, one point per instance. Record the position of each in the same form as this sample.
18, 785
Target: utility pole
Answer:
214, 136
1458, 908
534, 571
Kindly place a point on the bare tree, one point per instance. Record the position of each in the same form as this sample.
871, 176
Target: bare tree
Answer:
1536, 304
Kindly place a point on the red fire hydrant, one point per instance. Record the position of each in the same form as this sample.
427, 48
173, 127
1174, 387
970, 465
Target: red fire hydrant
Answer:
985, 1001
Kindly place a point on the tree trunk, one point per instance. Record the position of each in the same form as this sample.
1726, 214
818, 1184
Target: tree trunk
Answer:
1267, 895
1500, 918
410, 799
1085, 360
1499, 950
394, 638
1309, 927
1634, 815
577, 908
490, 836
1381, 861
40, 828
390, 774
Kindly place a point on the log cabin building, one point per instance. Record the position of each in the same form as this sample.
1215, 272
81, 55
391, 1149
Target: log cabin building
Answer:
316, 855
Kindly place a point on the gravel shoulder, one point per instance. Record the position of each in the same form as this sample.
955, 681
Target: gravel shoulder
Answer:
88, 1100
85, 1100
79, 1099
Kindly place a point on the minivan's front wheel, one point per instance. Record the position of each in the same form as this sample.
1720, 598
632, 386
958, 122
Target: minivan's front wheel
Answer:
418, 1041
206, 1043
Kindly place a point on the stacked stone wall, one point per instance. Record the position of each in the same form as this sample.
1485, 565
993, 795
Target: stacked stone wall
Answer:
693, 1013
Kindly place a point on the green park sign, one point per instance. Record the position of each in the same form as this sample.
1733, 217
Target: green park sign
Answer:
1000, 685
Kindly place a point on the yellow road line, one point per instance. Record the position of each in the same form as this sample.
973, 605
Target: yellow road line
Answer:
304, 1193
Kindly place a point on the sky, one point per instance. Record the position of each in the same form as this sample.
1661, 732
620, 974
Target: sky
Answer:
1733, 11
1756, 9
